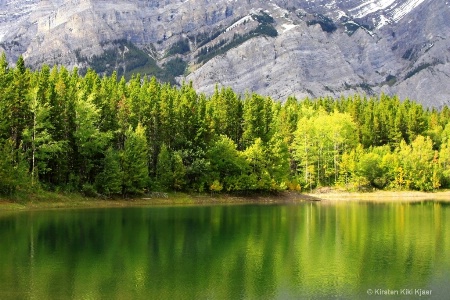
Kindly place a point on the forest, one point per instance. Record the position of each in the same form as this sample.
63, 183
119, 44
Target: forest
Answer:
105, 136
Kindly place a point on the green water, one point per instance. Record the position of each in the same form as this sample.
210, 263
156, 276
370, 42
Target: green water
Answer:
311, 250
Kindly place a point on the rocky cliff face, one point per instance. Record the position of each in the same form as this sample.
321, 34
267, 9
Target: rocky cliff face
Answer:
398, 52
278, 48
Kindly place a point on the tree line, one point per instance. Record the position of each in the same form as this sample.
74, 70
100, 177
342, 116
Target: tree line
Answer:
61, 131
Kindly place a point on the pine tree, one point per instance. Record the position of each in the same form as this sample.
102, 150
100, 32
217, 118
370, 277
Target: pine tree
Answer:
134, 161
43, 147
164, 173
109, 181
167, 117
14, 175
225, 114
5, 82
257, 117
19, 116
89, 141
179, 171
278, 162
150, 119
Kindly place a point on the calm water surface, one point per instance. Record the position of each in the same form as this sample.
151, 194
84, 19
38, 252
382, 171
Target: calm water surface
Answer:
311, 250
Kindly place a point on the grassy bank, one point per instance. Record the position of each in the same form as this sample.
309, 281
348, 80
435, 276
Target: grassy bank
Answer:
52, 200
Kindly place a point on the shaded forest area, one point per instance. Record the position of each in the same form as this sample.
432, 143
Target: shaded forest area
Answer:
60, 131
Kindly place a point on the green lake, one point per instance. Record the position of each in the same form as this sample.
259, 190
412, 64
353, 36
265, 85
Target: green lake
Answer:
309, 250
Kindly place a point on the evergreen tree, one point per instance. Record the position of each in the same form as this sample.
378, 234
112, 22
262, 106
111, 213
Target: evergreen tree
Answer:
164, 173
257, 117
43, 147
13, 169
17, 103
90, 142
134, 161
109, 181
5, 86
226, 164
225, 114
278, 163
179, 171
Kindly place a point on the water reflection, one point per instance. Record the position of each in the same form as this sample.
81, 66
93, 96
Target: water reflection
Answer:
254, 252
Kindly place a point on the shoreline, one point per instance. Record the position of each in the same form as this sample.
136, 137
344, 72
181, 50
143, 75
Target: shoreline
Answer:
47, 200
382, 196
50, 201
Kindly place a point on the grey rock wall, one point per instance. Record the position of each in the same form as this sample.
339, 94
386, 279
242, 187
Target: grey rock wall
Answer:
323, 48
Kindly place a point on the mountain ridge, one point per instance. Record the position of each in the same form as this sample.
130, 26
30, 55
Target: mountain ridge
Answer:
279, 48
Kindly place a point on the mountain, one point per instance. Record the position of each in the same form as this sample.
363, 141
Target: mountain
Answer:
278, 48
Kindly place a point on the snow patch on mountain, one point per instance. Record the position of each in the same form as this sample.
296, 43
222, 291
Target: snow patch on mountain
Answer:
383, 21
287, 27
241, 21
370, 7
404, 9
391, 11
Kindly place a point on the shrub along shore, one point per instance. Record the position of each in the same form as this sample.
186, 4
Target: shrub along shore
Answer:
105, 137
